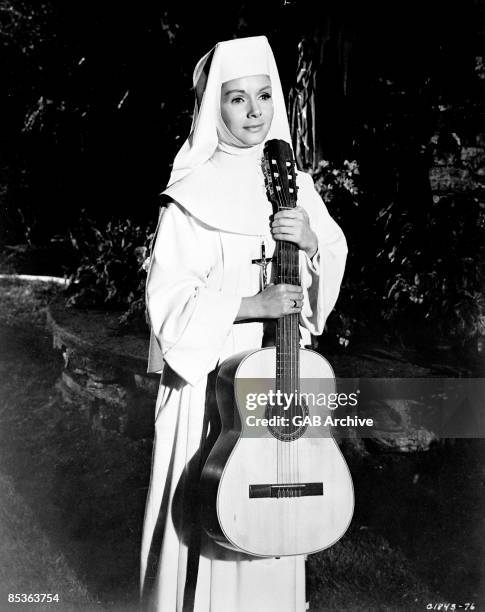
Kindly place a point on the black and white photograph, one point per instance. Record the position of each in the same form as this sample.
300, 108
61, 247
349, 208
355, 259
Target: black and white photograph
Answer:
242, 306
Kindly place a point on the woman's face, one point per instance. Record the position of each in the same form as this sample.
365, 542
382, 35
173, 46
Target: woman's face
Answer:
247, 108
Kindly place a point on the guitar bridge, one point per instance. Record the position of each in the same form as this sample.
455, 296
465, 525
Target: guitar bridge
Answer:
283, 491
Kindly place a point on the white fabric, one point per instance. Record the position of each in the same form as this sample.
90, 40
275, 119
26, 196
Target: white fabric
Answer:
200, 270
228, 60
230, 192
193, 297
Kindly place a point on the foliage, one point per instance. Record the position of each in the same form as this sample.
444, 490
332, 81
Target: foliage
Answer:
413, 273
337, 185
112, 269
435, 274
339, 188
23, 26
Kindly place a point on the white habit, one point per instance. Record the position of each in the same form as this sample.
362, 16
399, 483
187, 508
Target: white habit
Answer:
200, 269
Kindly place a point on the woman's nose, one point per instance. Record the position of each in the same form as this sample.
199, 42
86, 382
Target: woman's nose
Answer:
255, 110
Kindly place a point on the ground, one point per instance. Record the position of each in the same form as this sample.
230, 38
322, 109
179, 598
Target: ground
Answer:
72, 502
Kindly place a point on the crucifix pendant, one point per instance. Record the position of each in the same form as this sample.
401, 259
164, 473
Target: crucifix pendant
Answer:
263, 264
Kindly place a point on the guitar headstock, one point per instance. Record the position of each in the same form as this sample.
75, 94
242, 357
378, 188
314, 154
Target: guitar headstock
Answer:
280, 174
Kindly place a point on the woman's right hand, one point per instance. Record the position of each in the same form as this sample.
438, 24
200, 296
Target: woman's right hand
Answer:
273, 302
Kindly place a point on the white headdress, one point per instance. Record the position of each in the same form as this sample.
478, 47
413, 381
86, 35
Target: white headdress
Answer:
231, 59
220, 184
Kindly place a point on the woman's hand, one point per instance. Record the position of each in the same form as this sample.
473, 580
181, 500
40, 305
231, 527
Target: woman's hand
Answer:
273, 302
293, 225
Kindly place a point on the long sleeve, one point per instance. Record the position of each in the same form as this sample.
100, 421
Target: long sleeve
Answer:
322, 275
190, 316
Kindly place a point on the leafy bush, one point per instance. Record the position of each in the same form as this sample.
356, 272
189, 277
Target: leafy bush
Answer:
112, 269
435, 275
340, 190
337, 186
415, 274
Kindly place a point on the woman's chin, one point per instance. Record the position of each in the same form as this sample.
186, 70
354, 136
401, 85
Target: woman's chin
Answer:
250, 140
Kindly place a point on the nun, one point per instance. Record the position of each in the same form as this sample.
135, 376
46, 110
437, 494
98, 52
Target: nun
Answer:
206, 301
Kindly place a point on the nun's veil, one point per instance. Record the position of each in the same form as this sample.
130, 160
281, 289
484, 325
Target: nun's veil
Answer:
228, 60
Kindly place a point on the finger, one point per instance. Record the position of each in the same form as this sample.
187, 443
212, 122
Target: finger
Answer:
294, 306
286, 231
292, 213
301, 212
287, 222
295, 213
286, 228
294, 291
286, 237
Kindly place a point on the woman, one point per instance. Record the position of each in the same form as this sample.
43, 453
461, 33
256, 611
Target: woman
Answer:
206, 302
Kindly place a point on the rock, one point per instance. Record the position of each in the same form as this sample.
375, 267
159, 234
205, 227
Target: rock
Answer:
104, 375
98, 370
401, 423
113, 394
148, 384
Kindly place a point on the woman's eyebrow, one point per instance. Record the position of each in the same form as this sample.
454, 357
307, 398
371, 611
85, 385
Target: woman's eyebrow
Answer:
234, 91
244, 91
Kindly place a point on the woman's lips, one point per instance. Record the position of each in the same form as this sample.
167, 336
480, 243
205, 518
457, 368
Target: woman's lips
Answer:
254, 128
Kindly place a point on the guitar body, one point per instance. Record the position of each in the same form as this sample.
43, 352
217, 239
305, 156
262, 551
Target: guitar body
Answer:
246, 505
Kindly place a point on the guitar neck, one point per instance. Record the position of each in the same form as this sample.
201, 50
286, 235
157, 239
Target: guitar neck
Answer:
287, 327
280, 178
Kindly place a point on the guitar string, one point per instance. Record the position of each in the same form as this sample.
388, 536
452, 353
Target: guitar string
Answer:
287, 323
279, 365
294, 326
288, 256
267, 164
280, 325
295, 338
281, 332
289, 264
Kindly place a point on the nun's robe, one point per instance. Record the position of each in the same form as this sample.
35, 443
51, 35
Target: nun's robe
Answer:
198, 275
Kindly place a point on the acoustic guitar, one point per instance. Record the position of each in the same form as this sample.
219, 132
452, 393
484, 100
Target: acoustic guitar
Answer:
278, 485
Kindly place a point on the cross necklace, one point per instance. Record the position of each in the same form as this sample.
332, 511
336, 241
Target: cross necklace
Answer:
263, 262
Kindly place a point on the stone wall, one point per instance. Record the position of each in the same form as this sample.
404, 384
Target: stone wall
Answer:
104, 372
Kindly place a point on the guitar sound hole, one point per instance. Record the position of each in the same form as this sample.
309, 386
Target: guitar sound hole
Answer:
287, 424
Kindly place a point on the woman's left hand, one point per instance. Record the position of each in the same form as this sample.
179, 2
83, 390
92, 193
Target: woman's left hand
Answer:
293, 225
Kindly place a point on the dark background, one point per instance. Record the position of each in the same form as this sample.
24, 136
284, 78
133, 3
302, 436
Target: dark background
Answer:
95, 101
96, 96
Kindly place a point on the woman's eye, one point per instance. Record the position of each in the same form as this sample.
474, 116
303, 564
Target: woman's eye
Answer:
265, 96
237, 100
